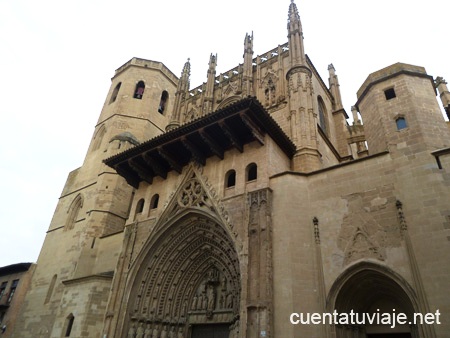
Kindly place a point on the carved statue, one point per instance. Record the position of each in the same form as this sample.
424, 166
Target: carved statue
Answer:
194, 303
180, 333
172, 291
155, 305
140, 331
172, 332
183, 309
223, 282
211, 298
132, 331
221, 300
200, 302
229, 300
205, 303
155, 332
164, 332
148, 331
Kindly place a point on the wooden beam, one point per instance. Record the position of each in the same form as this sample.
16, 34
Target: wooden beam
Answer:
196, 153
234, 139
254, 129
156, 166
215, 148
132, 180
174, 164
140, 170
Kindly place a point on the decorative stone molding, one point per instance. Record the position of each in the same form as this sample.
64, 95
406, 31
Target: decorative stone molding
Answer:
196, 192
316, 230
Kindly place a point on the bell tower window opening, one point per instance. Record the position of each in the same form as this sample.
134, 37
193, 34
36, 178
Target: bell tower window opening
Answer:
115, 93
163, 101
401, 123
69, 324
72, 213
139, 91
389, 93
99, 137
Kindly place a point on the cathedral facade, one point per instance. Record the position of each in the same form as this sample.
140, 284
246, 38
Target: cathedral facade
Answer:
237, 208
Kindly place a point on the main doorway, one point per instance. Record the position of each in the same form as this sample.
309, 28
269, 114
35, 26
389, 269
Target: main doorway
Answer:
212, 331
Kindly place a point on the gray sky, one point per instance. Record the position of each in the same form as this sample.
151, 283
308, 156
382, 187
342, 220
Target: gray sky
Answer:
57, 59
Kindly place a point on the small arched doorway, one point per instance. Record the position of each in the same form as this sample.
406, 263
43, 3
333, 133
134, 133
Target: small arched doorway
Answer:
188, 285
372, 293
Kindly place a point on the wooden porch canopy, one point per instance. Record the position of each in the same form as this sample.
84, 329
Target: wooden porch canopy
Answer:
210, 135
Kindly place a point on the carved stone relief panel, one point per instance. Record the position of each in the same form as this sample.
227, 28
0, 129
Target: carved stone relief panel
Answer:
370, 225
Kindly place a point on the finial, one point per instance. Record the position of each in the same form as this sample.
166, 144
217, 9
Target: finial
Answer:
440, 80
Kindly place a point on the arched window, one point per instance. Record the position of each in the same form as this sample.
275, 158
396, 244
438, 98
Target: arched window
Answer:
99, 137
401, 123
154, 201
140, 206
73, 211
50, 289
252, 172
139, 90
163, 101
69, 324
322, 115
230, 179
115, 93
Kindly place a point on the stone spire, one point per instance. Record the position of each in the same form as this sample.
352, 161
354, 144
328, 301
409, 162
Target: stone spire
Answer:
248, 65
180, 95
209, 91
211, 76
302, 118
295, 37
334, 88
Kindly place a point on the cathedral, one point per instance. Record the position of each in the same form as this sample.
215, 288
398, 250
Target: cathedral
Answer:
249, 206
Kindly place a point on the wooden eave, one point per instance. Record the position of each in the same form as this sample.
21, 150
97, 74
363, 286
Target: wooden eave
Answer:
211, 135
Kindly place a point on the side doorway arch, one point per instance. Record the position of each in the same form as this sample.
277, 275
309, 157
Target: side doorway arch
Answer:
368, 288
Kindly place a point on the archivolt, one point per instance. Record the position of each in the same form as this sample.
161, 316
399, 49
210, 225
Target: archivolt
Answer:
363, 283
194, 257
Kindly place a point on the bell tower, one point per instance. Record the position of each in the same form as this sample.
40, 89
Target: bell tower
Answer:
400, 111
95, 203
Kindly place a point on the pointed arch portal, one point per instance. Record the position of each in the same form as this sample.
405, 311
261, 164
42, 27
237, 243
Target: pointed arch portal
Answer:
369, 288
188, 282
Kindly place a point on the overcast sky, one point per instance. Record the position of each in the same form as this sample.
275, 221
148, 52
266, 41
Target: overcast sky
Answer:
57, 59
